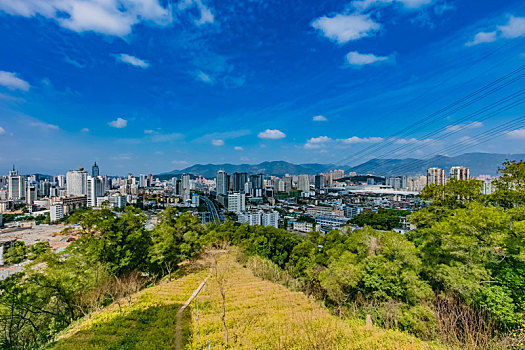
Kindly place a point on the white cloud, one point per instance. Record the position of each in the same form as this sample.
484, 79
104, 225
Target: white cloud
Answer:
514, 28
12, 82
206, 16
483, 37
84, 130
119, 123
2, 131
204, 77
157, 137
517, 134
44, 126
319, 118
458, 127
344, 28
415, 4
359, 59
317, 142
134, 61
224, 135
217, 142
238, 148
409, 4
355, 139
468, 140
109, 17
272, 134
412, 140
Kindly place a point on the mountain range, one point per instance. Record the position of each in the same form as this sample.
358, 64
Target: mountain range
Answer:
479, 163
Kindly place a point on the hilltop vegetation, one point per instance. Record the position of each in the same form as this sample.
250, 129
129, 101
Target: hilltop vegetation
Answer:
456, 279
258, 315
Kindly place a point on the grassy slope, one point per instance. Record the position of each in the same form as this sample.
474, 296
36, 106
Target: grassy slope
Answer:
259, 315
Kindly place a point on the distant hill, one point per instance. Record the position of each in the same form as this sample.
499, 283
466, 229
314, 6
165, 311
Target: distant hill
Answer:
479, 163
276, 168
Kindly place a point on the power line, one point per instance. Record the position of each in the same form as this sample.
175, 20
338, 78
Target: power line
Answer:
410, 147
459, 147
433, 117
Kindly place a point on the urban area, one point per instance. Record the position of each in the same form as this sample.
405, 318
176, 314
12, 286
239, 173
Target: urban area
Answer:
33, 207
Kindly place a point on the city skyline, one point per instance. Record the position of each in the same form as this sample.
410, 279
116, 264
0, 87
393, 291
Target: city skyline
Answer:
152, 89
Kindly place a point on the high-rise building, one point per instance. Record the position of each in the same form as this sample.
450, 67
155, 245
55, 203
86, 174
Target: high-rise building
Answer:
237, 202
17, 185
435, 176
56, 212
95, 189
319, 181
222, 183
459, 173
142, 181
287, 180
61, 181
397, 182
416, 183
239, 181
270, 219
76, 182
256, 185
31, 195
45, 188
303, 183
338, 174
95, 170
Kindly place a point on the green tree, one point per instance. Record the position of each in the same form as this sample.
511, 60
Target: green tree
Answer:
384, 219
454, 194
510, 186
175, 239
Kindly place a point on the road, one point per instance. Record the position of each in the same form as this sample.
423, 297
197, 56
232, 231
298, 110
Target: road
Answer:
214, 214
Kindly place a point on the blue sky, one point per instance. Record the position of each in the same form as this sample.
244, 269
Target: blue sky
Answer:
156, 85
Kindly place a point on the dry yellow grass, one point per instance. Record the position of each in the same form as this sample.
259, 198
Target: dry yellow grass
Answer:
259, 315
265, 315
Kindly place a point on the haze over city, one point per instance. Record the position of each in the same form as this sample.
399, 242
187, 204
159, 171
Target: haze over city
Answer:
152, 86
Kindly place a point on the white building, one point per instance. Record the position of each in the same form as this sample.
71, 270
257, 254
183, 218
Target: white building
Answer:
61, 181
436, 176
303, 183
304, 226
260, 218
95, 189
459, 173
195, 200
416, 183
142, 180
487, 186
251, 218
56, 212
270, 219
222, 183
115, 201
76, 182
31, 195
17, 186
237, 202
